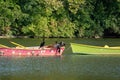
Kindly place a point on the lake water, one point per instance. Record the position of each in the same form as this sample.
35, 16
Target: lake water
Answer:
66, 67
69, 66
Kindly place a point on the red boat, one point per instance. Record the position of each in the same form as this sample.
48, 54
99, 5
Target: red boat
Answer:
31, 51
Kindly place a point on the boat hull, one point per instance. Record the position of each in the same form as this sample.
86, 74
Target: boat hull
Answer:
87, 49
30, 52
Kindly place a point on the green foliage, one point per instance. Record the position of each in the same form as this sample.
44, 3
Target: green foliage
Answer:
74, 5
59, 18
9, 13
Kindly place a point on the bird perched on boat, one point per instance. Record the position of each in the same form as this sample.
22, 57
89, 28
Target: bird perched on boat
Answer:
42, 44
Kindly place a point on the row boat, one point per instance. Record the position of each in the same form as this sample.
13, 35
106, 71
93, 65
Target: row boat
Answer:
31, 51
88, 49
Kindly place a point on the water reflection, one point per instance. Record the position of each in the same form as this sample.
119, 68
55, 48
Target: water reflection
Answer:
66, 67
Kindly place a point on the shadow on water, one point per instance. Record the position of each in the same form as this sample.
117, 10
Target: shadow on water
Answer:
81, 54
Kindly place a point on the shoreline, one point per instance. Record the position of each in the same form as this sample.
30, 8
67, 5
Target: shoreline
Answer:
55, 37
14, 37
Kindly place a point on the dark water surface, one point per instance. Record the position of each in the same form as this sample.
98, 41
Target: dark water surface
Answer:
67, 67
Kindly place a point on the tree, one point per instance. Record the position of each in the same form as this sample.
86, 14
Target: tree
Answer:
59, 18
9, 13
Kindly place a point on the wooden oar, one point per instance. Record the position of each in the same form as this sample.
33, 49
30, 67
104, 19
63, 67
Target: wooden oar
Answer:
19, 45
1, 45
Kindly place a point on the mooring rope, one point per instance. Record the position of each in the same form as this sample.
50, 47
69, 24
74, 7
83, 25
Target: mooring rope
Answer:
68, 48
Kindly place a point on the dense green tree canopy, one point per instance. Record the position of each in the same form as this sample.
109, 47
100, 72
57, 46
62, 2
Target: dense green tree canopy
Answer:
59, 18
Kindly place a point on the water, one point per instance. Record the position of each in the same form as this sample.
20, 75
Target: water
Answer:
69, 66
72, 67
